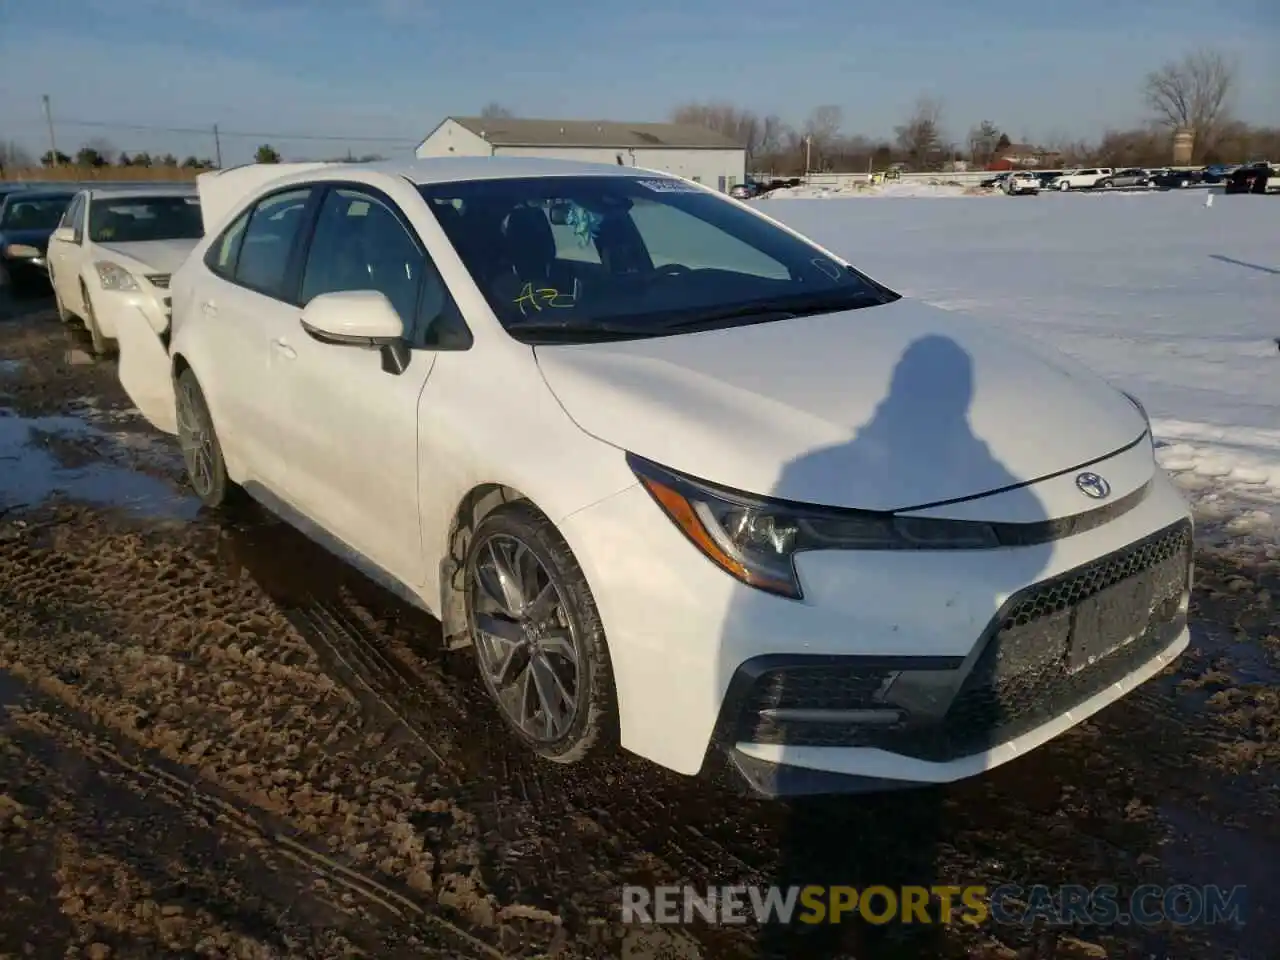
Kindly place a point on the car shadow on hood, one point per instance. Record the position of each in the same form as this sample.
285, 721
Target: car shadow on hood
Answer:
898, 838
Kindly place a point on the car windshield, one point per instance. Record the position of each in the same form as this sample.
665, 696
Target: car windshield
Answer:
139, 219
32, 213
572, 259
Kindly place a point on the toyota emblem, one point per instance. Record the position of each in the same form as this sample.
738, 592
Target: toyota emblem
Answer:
1092, 485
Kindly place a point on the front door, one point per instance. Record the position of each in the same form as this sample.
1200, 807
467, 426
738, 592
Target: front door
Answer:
64, 256
351, 445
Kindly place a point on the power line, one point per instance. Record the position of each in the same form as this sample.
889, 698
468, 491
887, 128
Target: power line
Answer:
206, 131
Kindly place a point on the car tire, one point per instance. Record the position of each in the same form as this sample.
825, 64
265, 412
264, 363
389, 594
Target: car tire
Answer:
201, 449
101, 346
1105, 184
542, 623
1064, 186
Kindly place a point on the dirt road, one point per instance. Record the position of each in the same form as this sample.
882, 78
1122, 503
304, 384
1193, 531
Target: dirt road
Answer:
215, 740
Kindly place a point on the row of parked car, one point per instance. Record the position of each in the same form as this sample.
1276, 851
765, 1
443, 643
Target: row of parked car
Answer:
1244, 178
86, 240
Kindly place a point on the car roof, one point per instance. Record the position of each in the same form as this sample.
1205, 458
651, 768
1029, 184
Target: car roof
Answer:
457, 169
44, 194
177, 190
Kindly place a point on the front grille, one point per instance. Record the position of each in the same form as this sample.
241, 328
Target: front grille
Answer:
1023, 677
160, 280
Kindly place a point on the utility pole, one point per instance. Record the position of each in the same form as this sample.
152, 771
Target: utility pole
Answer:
808, 147
53, 142
217, 147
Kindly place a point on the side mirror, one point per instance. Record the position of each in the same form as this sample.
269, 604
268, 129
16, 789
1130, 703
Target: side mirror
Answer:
66, 234
359, 318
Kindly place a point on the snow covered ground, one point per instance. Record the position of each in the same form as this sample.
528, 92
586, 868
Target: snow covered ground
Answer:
1176, 302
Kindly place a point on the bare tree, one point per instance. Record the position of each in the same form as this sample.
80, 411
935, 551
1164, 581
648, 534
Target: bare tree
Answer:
823, 126
920, 138
739, 125
772, 133
14, 157
1194, 92
984, 141
496, 111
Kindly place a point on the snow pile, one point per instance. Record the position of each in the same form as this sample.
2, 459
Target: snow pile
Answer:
1170, 300
899, 189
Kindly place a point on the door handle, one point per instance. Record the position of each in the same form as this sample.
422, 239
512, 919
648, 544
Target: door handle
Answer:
284, 350
209, 308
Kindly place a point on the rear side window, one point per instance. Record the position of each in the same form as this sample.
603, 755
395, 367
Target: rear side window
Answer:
221, 258
263, 260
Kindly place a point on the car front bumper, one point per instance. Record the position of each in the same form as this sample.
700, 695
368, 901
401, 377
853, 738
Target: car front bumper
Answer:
898, 668
26, 271
109, 304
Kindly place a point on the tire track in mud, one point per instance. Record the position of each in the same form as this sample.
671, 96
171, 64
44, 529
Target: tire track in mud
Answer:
217, 855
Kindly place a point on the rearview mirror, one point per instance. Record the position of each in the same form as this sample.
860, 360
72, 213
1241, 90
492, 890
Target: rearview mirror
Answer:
66, 234
559, 214
359, 318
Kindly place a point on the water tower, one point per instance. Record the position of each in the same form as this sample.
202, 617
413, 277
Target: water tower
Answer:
1184, 141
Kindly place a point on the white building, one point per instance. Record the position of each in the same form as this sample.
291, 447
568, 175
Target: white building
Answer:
686, 151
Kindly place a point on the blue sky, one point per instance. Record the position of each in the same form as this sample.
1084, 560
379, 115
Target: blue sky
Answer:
391, 69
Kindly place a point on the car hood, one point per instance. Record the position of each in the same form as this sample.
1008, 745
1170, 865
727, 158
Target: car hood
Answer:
885, 408
156, 256
30, 238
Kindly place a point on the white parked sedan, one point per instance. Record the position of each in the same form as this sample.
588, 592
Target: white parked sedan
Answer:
678, 475
114, 251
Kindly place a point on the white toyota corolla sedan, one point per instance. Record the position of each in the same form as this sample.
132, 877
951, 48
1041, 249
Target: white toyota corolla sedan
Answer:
679, 476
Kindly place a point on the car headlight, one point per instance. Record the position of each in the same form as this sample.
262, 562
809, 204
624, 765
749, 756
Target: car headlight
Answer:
755, 539
112, 276
17, 251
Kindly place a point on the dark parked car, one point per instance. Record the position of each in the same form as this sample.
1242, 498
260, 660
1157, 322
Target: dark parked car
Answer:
1128, 177
996, 182
1046, 177
1249, 179
1177, 179
744, 191
1215, 173
27, 220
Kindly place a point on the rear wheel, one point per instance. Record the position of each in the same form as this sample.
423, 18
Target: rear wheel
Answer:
1064, 186
201, 451
539, 643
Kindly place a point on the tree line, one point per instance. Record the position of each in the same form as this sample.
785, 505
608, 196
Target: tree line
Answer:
98, 154
1195, 92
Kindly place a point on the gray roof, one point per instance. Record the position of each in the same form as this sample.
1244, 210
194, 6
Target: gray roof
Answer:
521, 132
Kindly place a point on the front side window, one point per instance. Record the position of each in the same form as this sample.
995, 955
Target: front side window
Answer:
33, 213
263, 258
564, 259
221, 258
360, 243
140, 219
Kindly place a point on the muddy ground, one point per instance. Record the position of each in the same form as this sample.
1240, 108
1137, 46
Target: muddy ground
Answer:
217, 741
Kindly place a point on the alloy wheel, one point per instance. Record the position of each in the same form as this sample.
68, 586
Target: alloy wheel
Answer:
195, 436
524, 637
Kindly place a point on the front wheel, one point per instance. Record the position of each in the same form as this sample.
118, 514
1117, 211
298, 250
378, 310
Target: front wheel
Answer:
101, 345
201, 451
1064, 186
539, 644
1106, 184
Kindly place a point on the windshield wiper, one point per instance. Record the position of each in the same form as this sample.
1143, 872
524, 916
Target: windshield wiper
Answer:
584, 331
783, 308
